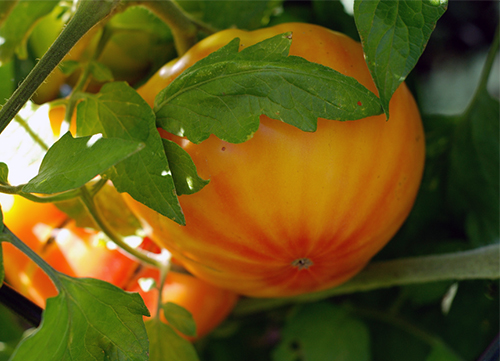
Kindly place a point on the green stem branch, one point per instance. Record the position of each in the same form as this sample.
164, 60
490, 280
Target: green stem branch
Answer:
184, 27
142, 256
88, 14
480, 263
8, 236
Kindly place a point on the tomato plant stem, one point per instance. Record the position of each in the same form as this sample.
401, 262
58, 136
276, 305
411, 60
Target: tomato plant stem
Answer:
184, 27
142, 256
480, 263
88, 14
8, 236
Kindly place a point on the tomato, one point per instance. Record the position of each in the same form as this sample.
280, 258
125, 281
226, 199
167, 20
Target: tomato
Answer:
208, 304
80, 252
290, 212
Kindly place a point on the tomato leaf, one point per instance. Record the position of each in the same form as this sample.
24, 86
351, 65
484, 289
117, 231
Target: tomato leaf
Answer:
4, 173
321, 331
72, 162
226, 92
89, 319
474, 170
440, 352
238, 14
17, 26
186, 178
166, 344
100, 72
179, 318
118, 111
68, 67
394, 35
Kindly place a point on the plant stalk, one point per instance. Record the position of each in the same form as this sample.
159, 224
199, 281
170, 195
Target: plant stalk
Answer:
480, 263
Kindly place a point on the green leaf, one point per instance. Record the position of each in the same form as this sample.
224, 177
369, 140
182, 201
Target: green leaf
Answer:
226, 92
180, 318
100, 72
237, 14
4, 173
321, 331
68, 67
440, 352
89, 319
17, 26
474, 170
117, 111
186, 178
72, 162
11, 332
394, 35
166, 344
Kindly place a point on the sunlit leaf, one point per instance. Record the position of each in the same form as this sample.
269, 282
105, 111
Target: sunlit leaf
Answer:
117, 111
90, 319
72, 162
226, 92
186, 178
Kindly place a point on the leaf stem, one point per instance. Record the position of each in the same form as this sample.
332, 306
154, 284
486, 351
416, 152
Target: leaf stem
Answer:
8, 189
184, 27
143, 256
164, 269
480, 263
88, 14
8, 236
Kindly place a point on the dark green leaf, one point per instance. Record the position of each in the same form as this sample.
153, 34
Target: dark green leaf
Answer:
100, 72
11, 332
440, 352
239, 14
90, 319
4, 173
186, 178
394, 35
321, 331
117, 111
17, 26
474, 170
72, 162
180, 318
68, 67
166, 344
226, 92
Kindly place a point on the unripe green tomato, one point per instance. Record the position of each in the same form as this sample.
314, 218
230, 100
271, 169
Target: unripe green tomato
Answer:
290, 212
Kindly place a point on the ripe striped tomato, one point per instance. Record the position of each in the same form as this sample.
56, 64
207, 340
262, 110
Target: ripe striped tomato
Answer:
290, 212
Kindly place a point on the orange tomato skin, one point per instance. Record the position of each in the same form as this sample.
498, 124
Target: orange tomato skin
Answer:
69, 249
208, 304
290, 212
78, 252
